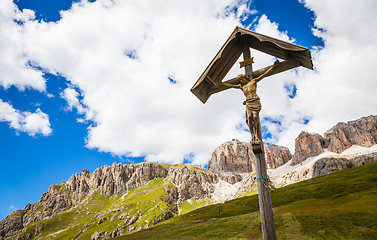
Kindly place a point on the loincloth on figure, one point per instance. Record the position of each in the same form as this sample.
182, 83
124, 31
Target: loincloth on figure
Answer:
253, 104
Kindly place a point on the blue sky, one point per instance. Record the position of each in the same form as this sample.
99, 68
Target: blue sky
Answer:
103, 84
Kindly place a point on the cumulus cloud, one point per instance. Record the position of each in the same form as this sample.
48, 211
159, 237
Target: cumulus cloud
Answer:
15, 66
17, 69
31, 123
132, 67
121, 54
72, 97
343, 86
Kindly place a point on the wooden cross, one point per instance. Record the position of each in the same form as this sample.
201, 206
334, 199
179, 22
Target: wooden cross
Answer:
211, 82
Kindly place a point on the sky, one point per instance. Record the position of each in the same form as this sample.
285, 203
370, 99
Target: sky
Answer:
88, 83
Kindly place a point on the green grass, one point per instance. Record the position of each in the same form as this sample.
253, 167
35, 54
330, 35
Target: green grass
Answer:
167, 166
253, 190
192, 204
342, 205
146, 201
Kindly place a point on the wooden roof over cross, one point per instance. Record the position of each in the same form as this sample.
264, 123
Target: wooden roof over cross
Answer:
292, 54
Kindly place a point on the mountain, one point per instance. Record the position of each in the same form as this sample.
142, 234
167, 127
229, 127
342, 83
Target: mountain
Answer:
361, 132
341, 205
110, 201
125, 198
325, 163
236, 156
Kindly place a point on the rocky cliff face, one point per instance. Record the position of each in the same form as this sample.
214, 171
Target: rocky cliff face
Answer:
195, 183
362, 132
307, 145
329, 165
325, 163
182, 182
236, 156
276, 156
130, 197
233, 156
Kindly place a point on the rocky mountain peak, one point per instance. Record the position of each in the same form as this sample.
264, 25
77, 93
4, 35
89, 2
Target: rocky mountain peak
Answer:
182, 182
171, 186
232, 156
362, 132
238, 157
307, 145
276, 155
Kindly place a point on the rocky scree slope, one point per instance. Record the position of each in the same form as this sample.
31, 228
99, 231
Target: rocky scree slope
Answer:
345, 145
325, 163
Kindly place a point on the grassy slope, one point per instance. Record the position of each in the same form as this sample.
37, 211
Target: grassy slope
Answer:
146, 202
341, 205
80, 222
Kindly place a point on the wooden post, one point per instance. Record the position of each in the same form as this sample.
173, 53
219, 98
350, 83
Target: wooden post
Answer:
265, 204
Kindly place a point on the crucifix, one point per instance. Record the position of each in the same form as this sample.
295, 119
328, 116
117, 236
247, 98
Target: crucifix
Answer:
252, 103
211, 82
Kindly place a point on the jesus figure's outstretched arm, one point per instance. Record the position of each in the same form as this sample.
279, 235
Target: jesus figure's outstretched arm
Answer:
266, 72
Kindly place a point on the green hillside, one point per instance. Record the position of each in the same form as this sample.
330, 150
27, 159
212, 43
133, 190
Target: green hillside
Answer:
141, 207
342, 205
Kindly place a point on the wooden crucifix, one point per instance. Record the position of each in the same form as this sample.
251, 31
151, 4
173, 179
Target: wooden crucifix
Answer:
211, 81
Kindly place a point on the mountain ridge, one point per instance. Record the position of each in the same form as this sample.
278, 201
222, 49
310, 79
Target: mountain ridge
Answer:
132, 197
362, 132
341, 205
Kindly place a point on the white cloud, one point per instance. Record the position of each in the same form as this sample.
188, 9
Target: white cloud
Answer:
13, 208
71, 96
17, 69
266, 27
15, 66
136, 110
31, 123
343, 86
120, 54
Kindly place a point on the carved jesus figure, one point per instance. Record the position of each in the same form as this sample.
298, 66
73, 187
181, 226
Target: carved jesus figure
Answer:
252, 102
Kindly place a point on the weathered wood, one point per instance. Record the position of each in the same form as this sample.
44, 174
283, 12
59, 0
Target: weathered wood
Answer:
264, 196
246, 62
240, 41
283, 66
225, 64
265, 204
220, 88
210, 81
231, 50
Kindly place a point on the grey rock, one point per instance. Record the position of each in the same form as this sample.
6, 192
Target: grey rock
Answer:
238, 157
162, 217
102, 220
98, 235
362, 132
329, 165
307, 145
276, 155
107, 180
233, 156
192, 183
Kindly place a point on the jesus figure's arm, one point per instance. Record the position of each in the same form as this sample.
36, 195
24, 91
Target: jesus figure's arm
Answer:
266, 72
231, 85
